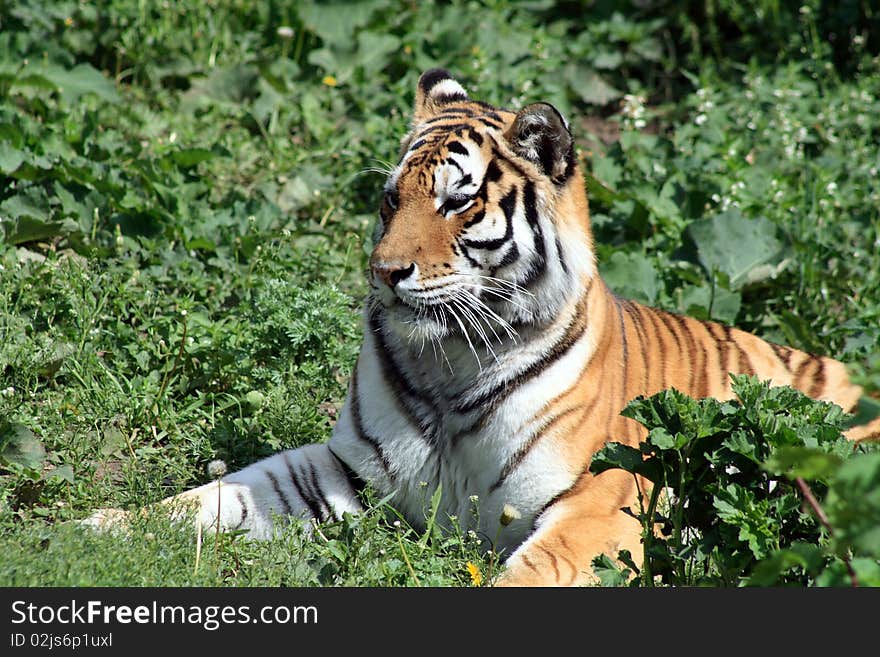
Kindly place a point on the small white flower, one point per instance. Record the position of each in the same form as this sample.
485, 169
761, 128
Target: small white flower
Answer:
700, 119
285, 32
831, 187
508, 514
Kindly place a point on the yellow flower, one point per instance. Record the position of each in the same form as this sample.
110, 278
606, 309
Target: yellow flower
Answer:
330, 81
476, 575
407, 49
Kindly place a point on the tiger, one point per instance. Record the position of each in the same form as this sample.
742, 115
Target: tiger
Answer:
495, 360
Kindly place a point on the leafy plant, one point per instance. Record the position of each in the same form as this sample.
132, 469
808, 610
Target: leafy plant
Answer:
727, 487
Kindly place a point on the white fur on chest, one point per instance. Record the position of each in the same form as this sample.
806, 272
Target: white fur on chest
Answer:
465, 460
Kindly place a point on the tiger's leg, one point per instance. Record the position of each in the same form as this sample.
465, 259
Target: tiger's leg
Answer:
582, 524
307, 482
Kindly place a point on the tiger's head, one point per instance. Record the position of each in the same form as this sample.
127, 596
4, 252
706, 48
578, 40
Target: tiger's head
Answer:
484, 221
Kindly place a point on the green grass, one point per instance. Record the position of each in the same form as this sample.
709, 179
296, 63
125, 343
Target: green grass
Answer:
188, 193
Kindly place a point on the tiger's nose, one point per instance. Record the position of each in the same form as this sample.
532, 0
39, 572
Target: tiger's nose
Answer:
392, 273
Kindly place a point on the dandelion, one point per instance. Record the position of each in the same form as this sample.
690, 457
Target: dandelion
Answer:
216, 469
329, 81
508, 514
476, 575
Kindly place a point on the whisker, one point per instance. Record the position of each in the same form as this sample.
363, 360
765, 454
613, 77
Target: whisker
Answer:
478, 327
479, 306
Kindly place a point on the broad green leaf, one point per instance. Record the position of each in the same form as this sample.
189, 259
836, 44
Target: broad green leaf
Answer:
619, 456
63, 472
768, 571
336, 22
609, 572
805, 462
27, 229
10, 157
189, 157
632, 276
373, 51
80, 80
663, 439
853, 504
20, 446
737, 246
590, 86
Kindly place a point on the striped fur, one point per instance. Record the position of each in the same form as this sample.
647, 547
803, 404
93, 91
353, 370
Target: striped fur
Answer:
495, 360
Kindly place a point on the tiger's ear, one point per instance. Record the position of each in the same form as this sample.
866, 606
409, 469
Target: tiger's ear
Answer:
540, 134
436, 88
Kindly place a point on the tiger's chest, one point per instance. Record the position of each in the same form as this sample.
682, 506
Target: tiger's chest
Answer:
411, 432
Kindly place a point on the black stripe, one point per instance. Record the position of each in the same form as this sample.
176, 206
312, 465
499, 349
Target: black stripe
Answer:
318, 491
498, 155
666, 319
625, 360
457, 147
358, 484
280, 493
509, 258
561, 494
244, 509
493, 172
357, 420
654, 315
724, 350
294, 477
573, 332
782, 353
454, 163
466, 179
523, 451
561, 256
801, 369
635, 314
508, 206
438, 123
477, 218
442, 128
475, 136
468, 257
443, 99
538, 266
818, 380
691, 346
402, 388
744, 363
